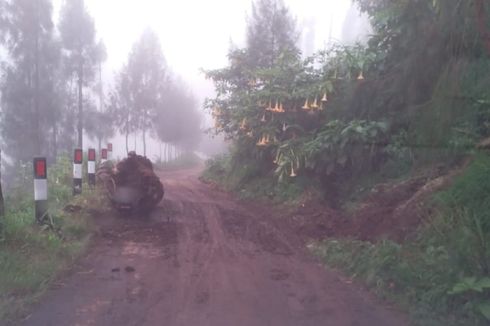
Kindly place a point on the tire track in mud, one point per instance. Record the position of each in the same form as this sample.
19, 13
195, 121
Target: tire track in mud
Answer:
203, 259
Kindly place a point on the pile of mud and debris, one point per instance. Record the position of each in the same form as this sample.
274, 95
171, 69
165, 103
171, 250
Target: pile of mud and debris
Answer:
389, 211
132, 185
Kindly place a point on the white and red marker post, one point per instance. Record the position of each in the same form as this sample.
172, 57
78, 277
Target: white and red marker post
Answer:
109, 151
91, 167
77, 171
40, 189
103, 155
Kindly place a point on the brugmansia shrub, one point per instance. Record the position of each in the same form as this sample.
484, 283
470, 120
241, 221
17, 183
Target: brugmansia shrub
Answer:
337, 146
289, 117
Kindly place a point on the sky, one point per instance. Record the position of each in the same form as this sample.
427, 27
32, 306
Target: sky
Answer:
196, 34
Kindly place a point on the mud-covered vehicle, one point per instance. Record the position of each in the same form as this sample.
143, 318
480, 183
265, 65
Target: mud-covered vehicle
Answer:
132, 185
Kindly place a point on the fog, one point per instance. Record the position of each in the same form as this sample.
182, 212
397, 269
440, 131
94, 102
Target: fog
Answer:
197, 34
191, 37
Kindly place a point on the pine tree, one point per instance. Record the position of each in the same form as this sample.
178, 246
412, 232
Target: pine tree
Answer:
77, 31
29, 90
120, 106
98, 122
147, 81
271, 30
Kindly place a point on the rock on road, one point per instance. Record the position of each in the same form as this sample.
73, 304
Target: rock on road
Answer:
202, 259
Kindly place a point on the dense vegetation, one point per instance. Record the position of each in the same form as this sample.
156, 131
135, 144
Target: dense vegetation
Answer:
413, 97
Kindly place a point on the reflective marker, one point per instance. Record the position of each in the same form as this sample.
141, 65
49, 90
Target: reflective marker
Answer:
103, 155
40, 189
77, 171
91, 167
109, 151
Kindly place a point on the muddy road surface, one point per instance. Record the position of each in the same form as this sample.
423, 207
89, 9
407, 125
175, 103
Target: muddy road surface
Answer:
203, 259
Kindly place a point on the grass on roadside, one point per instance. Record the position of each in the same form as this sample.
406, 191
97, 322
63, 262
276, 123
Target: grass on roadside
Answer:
31, 257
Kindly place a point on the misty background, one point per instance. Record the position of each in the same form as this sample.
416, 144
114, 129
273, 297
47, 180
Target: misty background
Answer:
45, 72
197, 35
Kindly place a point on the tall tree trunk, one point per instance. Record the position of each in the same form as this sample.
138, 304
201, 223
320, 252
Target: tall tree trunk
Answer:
127, 142
55, 141
80, 104
144, 142
135, 135
160, 152
2, 204
101, 89
127, 134
145, 118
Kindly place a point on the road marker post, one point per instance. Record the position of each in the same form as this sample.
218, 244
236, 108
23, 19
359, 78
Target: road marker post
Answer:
91, 167
77, 171
103, 156
40, 189
109, 151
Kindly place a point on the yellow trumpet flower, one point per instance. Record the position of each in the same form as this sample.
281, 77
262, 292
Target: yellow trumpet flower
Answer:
276, 107
267, 140
293, 173
261, 142
361, 76
281, 108
269, 108
315, 104
325, 98
306, 106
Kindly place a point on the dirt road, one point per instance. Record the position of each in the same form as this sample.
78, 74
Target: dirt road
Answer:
203, 259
